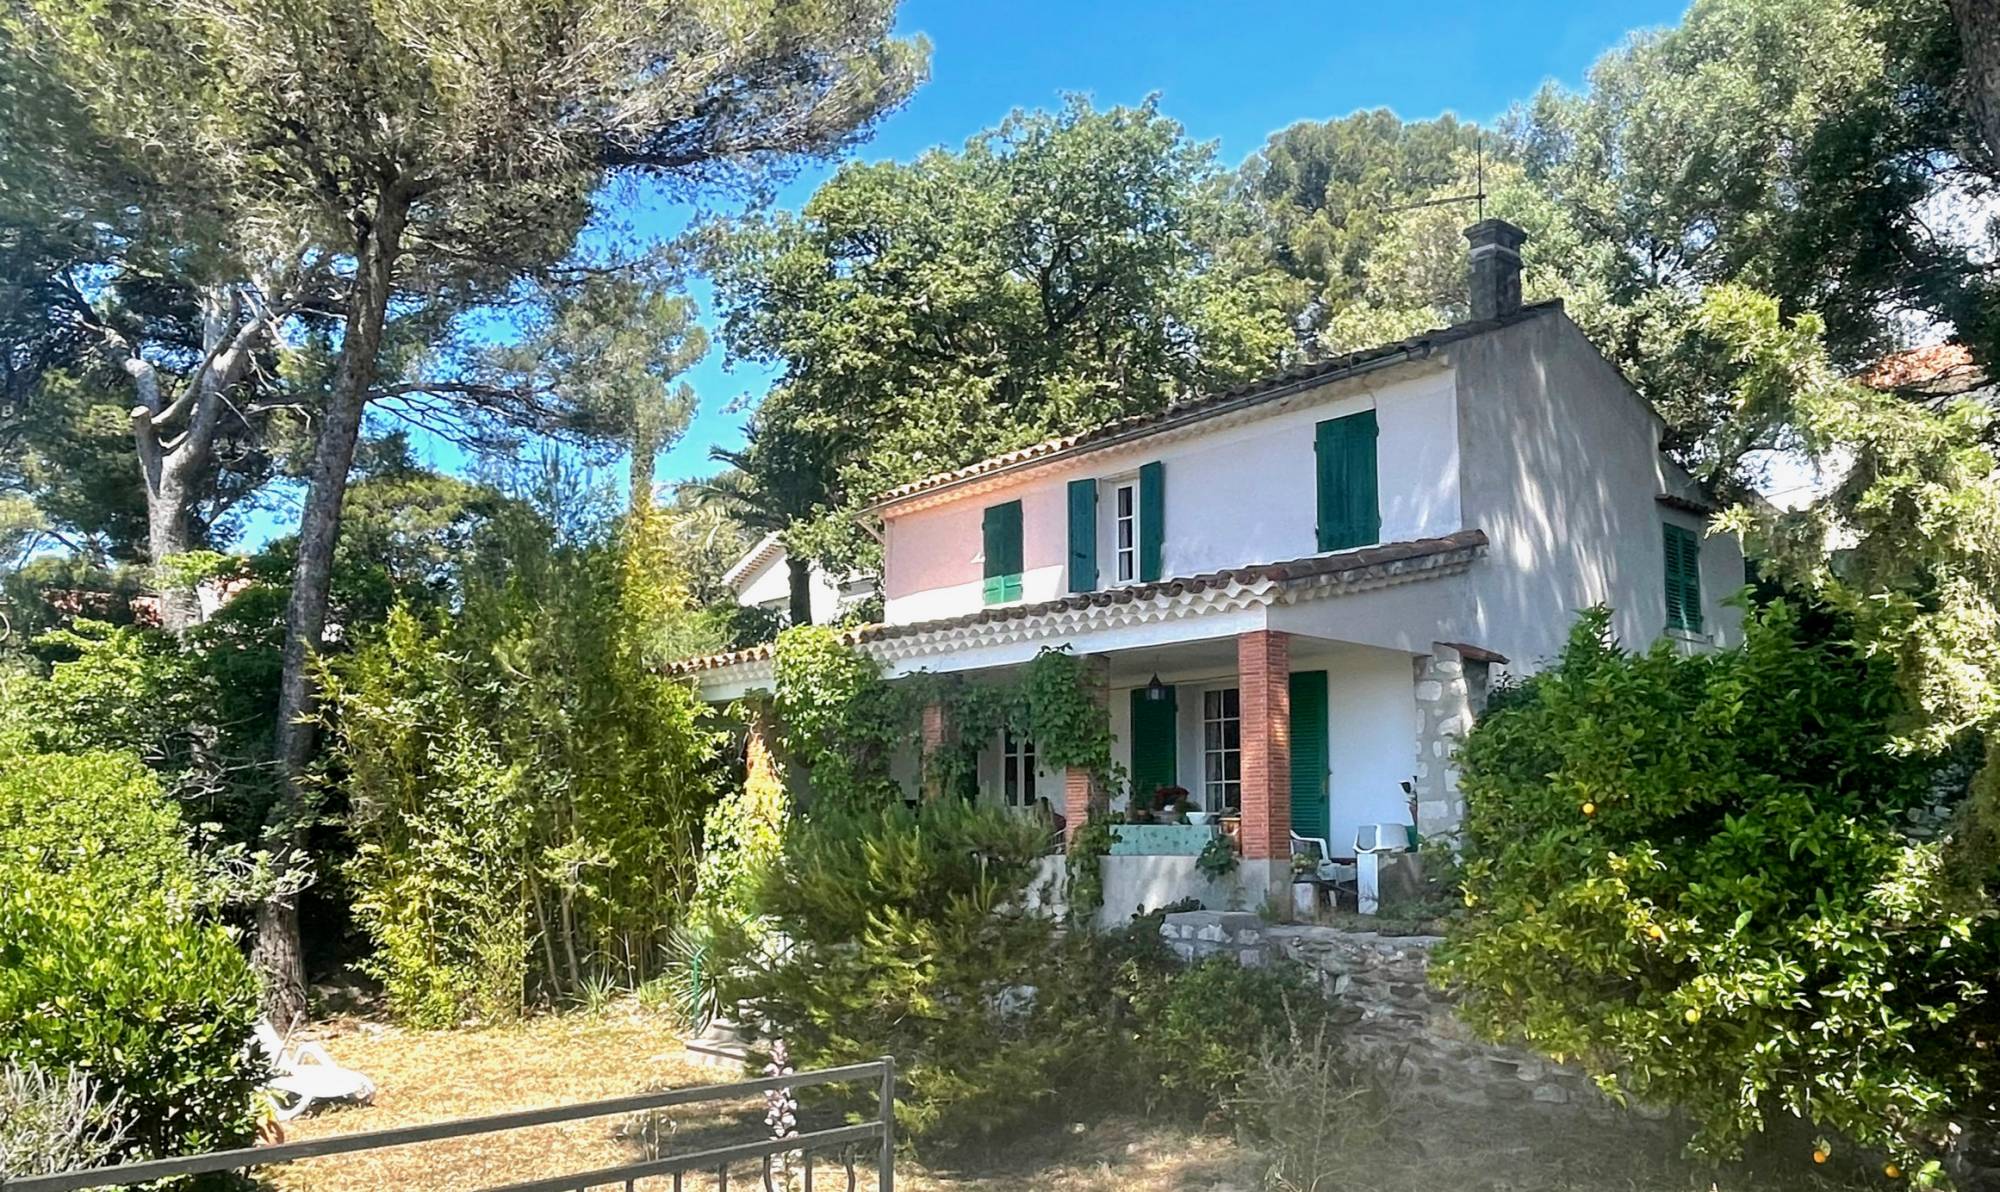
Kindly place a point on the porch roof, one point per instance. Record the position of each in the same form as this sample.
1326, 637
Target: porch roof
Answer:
1328, 574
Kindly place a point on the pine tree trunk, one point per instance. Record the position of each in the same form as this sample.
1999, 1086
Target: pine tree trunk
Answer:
279, 959
1979, 45
798, 572
167, 535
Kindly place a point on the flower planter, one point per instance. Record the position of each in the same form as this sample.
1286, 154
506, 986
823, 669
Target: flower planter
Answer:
1170, 840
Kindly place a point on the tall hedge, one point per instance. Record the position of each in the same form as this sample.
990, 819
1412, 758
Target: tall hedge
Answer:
1713, 881
108, 965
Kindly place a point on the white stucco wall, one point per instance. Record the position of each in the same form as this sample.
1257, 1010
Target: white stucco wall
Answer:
1234, 495
1561, 468
769, 586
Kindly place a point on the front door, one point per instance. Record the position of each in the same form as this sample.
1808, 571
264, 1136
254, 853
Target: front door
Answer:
1310, 773
1155, 760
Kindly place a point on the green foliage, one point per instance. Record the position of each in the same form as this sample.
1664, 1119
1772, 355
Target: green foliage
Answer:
742, 835
1692, 875
907, 935
931, 313
96, 817
1203, 1030
115, 983
105, 970
525, 785
1218, 857
837, 716
1089, 843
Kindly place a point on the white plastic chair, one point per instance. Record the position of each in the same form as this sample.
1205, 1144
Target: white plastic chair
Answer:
1328, 870
308, 1076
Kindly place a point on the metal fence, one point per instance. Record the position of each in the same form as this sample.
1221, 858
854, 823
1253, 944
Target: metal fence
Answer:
806, 1151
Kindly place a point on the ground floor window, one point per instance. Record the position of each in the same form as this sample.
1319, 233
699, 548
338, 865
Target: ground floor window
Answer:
1017, 771
1222, 749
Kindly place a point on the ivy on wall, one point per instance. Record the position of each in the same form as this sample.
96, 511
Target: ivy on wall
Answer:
842, 721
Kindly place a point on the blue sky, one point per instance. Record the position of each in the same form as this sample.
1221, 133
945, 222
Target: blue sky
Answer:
1231, 73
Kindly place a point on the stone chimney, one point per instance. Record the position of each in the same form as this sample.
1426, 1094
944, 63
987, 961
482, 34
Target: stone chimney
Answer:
1495, 268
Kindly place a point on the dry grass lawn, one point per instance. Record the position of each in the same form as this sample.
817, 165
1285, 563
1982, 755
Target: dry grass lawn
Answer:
435, 1076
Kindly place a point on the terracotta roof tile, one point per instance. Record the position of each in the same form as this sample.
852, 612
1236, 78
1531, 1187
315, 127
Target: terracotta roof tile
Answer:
1264, 389
1289, 571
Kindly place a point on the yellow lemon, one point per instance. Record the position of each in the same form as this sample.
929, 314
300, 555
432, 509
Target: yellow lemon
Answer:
1693, 1016
1820, 1156
1892, 1171
1590, 809
1655, 932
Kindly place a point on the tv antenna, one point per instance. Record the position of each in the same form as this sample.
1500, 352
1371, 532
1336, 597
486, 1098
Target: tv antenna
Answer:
1478, 194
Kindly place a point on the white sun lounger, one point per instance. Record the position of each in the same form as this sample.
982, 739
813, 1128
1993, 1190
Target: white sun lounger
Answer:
307, 1076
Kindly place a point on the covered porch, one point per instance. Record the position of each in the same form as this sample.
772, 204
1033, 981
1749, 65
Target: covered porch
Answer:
1287, 743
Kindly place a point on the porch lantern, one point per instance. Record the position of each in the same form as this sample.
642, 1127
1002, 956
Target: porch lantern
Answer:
1156, 691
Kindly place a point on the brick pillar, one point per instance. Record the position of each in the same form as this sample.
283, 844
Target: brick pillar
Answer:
934, 733
1264, 670
1083, 795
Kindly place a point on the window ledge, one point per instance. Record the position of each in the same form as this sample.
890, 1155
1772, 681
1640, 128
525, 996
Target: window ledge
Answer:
1690, 637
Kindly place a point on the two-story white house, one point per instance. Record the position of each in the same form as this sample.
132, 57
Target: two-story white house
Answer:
1295, 593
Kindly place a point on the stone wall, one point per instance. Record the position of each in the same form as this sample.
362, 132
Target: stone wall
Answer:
1450, 690
1391, 1010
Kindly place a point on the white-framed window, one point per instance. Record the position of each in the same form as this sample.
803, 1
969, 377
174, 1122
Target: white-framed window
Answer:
1222, 749
1125, 530
1017, 771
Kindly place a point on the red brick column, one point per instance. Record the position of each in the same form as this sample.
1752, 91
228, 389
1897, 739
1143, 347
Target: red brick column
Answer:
1264, 668
934, 731
1082, 793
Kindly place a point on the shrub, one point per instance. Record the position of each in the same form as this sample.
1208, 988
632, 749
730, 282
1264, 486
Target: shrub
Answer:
526, 786
99, 816
1202, 1030
54, 1122
121, 986
1692, 875
906, 935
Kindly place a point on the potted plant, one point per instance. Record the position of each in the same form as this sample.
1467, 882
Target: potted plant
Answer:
1218, 858
1171, 801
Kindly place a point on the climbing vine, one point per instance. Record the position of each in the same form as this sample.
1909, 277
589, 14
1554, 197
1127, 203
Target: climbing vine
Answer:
839, 718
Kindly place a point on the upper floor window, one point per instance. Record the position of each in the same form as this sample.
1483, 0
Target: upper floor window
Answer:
1350, 512
1125, 530
1682, 548
1002, 532
1222, 749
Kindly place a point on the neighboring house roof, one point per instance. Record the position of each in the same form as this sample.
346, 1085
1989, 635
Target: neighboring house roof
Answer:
767, 549
1365, 567
1938, 371
1270, 388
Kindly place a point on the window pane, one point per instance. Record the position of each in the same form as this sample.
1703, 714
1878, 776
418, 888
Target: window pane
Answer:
1232, 702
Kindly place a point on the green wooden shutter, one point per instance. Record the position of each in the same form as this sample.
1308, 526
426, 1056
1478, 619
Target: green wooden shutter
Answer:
1152, 519
1082, 535
1350, 513
1002, 531
1310, 812
1155, 730
1682, 548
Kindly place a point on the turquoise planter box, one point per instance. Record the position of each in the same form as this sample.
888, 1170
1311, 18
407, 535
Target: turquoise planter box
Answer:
1160, 840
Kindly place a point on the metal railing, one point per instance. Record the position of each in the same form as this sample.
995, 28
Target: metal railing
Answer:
880, 1130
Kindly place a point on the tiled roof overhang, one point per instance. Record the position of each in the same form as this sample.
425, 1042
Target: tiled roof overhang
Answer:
1312, 577
1258, 392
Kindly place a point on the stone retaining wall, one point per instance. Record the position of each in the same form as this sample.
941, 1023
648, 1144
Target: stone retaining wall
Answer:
1392, 1010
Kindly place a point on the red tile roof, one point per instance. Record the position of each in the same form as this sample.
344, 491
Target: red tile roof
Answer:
1468, 543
